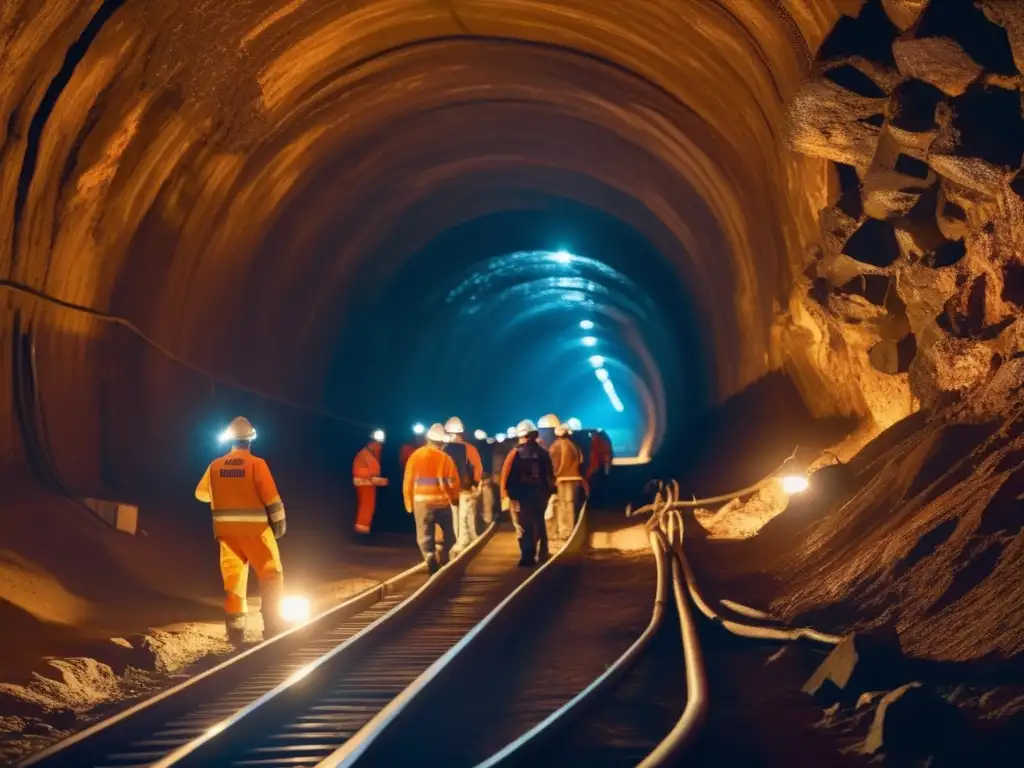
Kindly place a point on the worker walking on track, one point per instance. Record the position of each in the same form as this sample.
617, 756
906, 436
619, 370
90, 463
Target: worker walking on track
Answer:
528, 480
567, 461
470, 469
430, 489
366, 477
248, 518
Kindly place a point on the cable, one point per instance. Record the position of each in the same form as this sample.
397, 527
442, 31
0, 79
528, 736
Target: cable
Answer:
128, 324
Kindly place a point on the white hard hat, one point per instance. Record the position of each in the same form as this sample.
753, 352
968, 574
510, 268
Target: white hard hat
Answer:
511, 432
562, 430
575, 424
436, 433
238, 429
549, 421
454, 426
525, 427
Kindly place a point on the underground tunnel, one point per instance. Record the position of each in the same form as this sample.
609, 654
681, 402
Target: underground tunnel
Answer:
716, 230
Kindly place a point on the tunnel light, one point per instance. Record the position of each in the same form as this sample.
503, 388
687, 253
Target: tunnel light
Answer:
295, 609
589, 341
597, 361
613, 396
480, 435
602, 374
793, 484
562, 257
378, 435
587, 325
576, 296
575, 424
500, 437
510, 432
418, 429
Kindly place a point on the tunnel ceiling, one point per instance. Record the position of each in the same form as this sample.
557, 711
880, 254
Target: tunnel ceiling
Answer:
184, 163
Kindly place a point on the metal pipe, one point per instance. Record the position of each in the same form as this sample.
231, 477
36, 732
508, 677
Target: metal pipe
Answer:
695, 712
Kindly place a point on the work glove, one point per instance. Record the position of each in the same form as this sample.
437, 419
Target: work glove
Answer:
279, 528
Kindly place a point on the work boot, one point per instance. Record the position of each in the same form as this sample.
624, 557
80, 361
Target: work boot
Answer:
524, 563
432, 565
236, 635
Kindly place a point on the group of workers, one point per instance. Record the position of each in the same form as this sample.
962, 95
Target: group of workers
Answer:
542, 478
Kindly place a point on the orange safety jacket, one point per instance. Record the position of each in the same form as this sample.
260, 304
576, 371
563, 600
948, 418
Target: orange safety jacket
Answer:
241, 493
506, 468
566, 459
366, 468
431, 478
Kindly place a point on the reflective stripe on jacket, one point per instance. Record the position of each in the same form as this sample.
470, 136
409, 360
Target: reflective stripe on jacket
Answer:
241, 493
365, 467
430, 478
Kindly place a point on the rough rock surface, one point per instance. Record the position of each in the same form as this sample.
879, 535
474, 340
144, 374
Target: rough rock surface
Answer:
940, 176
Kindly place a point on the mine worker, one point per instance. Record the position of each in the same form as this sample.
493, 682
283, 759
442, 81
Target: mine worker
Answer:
487, 492
366, 477
467, 462
546, 429
566, 460
528, 480
430, 489
248, 518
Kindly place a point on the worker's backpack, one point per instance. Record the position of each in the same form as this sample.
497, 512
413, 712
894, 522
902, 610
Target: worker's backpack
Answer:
460, 456
530, 472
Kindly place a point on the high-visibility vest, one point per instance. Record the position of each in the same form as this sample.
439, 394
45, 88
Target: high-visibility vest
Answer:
242, 495
365, 468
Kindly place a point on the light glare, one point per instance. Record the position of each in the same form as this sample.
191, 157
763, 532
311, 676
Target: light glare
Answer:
562, 257
480, 435
418, 429
378, 435
589, 341
295, 609
586, 325
602, 374
792, 484
597, 361
575, 424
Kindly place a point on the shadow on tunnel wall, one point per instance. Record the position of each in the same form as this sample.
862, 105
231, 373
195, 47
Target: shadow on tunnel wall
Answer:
746, 437
117, 419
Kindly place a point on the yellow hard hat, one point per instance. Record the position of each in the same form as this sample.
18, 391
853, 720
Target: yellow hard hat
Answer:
525, 427
436, 433
550, 421
238, 429
454, 426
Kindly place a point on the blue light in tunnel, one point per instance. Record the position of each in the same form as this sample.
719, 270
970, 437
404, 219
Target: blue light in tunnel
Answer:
418, 429
609, 389
589, 341
562, 257
602, 374
597, 361
575, 296
586, 325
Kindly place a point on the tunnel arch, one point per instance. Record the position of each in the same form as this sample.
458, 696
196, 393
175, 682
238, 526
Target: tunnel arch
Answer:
199, 161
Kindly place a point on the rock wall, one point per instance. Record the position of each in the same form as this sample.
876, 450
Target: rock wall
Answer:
914, 289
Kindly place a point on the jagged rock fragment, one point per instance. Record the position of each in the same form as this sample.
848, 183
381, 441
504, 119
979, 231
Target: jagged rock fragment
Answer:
829, 121
904, 13
938, 61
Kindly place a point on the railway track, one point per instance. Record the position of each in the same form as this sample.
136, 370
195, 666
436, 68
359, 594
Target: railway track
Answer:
185, 720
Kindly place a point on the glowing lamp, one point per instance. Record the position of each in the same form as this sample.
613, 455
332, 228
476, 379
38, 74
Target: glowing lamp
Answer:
562, 257
587, 325
480, 435
589, 341
597, 361
575, 424
792, 484
295, 609
500, 437
378, 435
602, 374
418, 429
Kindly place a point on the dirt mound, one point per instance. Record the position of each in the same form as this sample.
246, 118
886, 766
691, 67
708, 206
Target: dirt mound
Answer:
923, 533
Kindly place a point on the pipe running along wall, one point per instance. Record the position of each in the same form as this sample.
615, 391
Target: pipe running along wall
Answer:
246, 181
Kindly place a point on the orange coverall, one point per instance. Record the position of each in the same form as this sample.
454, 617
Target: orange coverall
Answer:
245, 503
366, 478
430, 487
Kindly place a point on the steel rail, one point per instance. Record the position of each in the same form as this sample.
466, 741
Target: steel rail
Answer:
374, 731
195, 751
525, 748
123, 726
